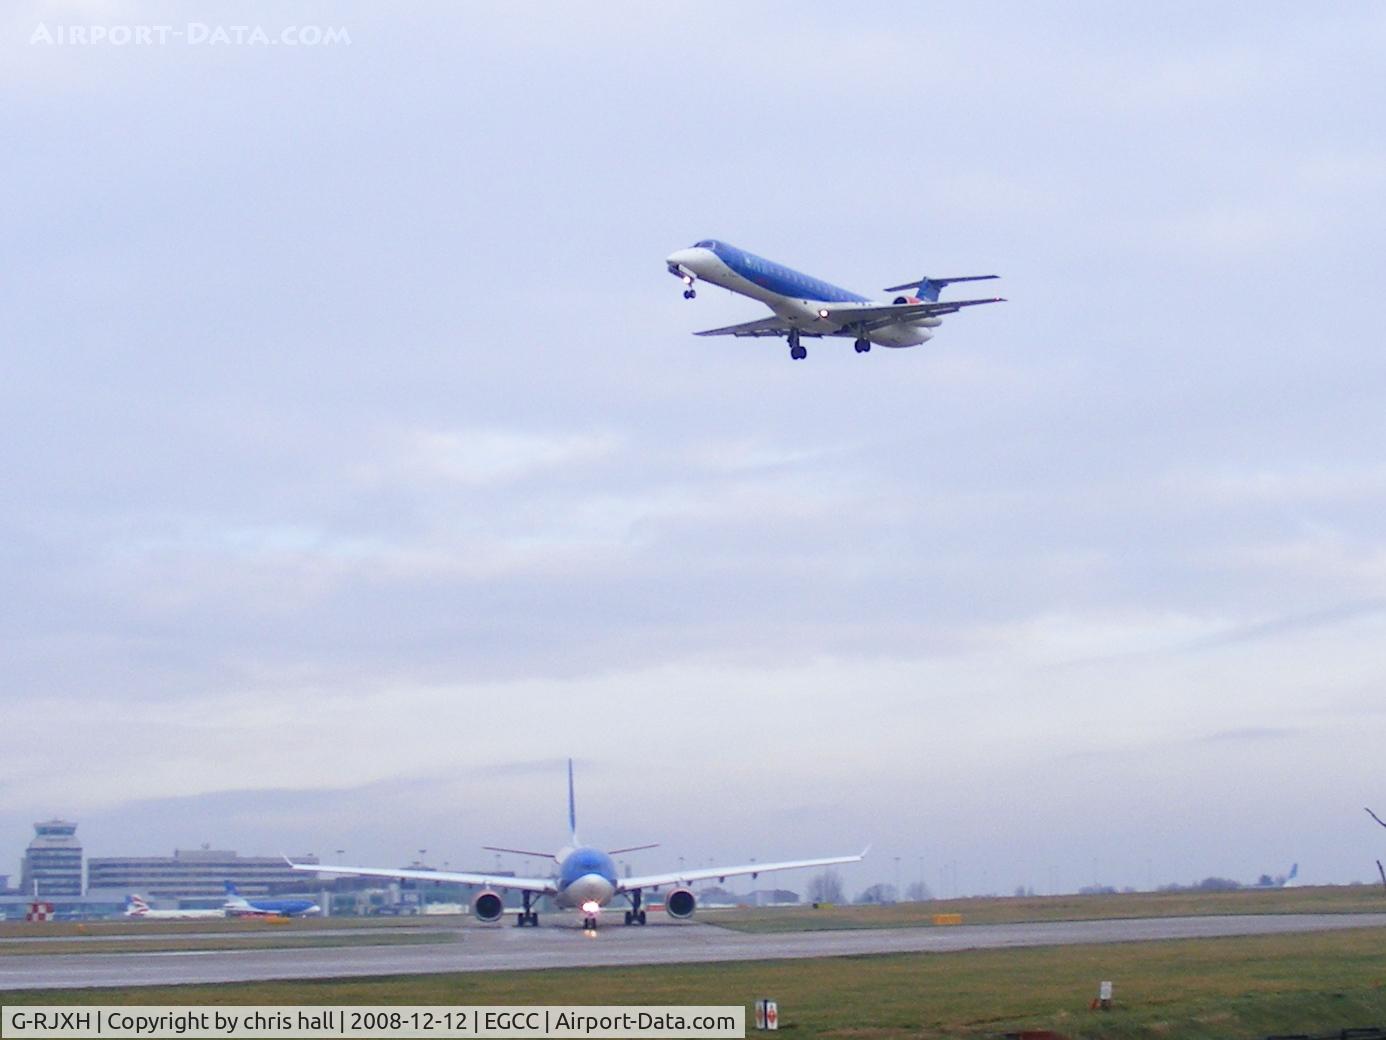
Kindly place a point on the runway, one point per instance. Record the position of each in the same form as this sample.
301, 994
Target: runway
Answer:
559, 946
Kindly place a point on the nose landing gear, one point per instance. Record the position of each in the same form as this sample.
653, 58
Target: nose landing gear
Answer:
688, 294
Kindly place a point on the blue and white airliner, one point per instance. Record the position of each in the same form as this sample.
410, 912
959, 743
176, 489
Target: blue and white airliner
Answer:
238, 905
585, 879
808, 306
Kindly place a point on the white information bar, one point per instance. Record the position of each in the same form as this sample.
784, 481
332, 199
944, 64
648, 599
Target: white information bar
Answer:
59, 1022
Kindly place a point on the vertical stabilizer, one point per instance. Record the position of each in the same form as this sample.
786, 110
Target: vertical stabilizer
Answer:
572, 807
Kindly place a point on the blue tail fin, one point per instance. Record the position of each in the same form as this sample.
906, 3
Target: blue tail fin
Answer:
572, 805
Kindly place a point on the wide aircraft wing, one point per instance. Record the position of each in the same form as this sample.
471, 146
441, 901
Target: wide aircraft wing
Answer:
684, 877
865, 317
771, 326
502, 881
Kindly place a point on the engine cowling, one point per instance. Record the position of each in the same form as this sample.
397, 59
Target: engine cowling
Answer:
488, 906
680, 904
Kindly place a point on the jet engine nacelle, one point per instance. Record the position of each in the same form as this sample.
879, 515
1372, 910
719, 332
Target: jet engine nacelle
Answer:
488, 907
680, 904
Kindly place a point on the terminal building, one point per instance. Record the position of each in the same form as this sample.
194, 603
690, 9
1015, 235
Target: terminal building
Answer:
197, 874
52, 865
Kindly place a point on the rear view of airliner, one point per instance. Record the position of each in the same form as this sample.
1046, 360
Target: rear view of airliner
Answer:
585, 879
807, 306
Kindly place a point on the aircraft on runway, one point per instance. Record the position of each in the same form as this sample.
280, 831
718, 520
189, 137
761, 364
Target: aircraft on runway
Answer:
586, 879
807, 306
238, 905
137, 907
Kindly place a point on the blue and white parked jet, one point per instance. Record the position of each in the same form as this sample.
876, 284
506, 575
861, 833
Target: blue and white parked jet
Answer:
585, 879
238, 905
808, 306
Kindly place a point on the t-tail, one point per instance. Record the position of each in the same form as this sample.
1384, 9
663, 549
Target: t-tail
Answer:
927, 289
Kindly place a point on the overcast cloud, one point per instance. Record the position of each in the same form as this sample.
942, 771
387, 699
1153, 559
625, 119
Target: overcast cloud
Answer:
360, 465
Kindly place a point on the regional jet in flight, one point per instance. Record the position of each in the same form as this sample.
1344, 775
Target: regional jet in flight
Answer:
585, 879
807, 306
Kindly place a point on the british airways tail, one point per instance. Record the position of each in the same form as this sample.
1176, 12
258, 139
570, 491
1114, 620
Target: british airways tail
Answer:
927, 289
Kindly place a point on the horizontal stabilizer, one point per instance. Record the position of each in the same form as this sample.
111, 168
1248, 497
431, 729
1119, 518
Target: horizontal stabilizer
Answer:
943, 281
518, 852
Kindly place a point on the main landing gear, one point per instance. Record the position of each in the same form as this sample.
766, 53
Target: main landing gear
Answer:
796, 351
527, 916
635, 915
862, 345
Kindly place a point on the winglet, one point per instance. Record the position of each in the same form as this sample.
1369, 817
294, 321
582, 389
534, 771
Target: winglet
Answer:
865, 851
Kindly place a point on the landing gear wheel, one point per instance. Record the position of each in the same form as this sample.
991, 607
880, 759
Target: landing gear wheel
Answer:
689, 294
640, 916
863, 345
589, 924
630, 917
526, 916
798, 353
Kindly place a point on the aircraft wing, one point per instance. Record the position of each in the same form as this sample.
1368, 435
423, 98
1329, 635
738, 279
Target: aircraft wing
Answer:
487, 880
683, 877
875, 316
771, 326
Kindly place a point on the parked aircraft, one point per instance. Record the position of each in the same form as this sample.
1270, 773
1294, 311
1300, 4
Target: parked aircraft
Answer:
135, 906
807, 306
238, 905
585, 879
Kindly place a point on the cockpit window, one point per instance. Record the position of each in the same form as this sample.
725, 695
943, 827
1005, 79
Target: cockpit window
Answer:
706, 243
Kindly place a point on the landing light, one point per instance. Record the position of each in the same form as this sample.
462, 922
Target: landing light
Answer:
823, 313
688, 279
591, 906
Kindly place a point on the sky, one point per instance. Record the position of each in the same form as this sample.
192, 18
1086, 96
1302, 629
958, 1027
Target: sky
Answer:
360, 466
